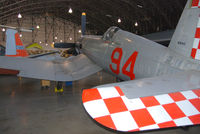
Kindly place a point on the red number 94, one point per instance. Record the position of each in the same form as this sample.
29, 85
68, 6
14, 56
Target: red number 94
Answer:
117, 60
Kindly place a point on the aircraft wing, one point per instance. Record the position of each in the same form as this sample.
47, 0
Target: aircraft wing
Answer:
69, 69
146, 104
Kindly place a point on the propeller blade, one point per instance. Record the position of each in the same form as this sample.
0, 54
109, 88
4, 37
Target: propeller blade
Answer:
83, 23
26, 30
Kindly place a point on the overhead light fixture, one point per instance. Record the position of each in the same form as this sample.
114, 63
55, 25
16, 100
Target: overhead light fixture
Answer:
70, 38
56, 38
38, 27
70, 11
61, 40
19, 16
79, 31
140, 6
20, 35
47, 44
119, 20
136, 24
3, 29
158, 28
53, 42
108, 15
40, 42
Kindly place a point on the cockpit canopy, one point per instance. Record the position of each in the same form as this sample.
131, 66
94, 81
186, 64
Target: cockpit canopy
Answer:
110, 32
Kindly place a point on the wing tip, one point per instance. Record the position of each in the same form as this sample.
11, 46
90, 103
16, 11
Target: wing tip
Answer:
113, 112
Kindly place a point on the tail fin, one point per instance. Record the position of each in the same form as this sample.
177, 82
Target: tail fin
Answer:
83, 23
14, 46
186, 39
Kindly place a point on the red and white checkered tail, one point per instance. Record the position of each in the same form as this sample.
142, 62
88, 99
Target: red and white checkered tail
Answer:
112, 109
186, 39
14, 46
195, 53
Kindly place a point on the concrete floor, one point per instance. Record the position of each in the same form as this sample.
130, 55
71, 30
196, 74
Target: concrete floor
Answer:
26, 109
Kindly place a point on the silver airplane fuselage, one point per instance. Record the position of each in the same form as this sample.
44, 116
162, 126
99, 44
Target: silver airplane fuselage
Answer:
129, 56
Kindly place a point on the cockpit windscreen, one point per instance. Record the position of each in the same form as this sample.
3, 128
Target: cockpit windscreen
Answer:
110, 32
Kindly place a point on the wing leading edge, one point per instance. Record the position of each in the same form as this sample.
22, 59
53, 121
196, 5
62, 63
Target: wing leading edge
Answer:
72, 68
109, 105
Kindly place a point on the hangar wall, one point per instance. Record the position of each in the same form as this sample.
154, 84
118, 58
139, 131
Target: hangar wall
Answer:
51, 30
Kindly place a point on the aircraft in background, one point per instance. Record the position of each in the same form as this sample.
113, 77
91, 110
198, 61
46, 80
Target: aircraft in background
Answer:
34, 45
162, 83
14, 48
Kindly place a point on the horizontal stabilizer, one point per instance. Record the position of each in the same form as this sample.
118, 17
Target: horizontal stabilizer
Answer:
69, 69
18, 28
150, 109
163, 37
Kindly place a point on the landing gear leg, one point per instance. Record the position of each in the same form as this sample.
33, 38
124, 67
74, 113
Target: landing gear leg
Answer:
59, 87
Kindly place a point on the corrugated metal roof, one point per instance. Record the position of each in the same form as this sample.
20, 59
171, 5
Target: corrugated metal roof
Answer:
151, 15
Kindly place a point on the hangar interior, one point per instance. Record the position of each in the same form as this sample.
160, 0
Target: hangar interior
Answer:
47, 30
53, 22
26, 107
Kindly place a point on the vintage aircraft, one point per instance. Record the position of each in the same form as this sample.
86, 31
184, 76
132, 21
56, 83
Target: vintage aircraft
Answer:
162, 83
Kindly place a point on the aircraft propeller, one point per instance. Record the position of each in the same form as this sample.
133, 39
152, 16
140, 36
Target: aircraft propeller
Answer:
74, 47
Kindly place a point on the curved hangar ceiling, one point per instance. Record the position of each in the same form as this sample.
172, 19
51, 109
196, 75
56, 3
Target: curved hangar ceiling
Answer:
138, 16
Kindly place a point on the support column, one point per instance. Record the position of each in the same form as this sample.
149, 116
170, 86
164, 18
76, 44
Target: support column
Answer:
32, 19
53, 34
64, 31
45, 29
